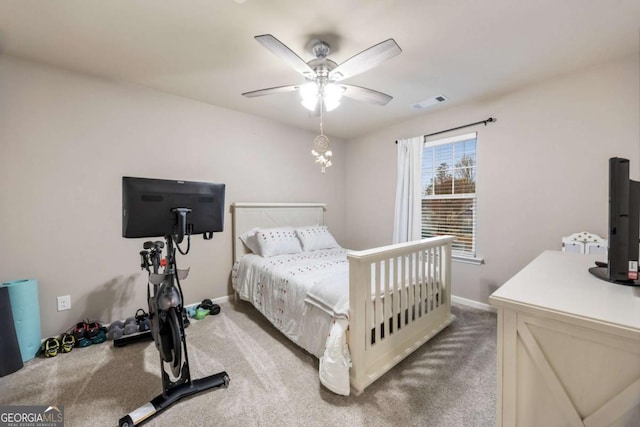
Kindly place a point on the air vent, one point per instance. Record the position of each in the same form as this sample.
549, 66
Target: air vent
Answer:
434, 100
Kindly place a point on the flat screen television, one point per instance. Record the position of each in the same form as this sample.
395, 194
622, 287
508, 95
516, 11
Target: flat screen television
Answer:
624, 227
154, 207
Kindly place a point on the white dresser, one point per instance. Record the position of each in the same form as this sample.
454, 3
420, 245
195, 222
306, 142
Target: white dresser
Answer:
568, 346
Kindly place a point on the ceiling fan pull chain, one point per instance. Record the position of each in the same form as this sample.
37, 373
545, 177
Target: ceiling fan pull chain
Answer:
321, 101
321, 147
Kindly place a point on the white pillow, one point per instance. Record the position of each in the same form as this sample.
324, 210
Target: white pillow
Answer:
277, 241
316, 237
250, 240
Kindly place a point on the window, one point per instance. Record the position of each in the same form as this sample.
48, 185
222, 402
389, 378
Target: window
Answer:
449, 191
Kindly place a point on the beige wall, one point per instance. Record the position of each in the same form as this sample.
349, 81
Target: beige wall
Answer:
542, 170
66, 140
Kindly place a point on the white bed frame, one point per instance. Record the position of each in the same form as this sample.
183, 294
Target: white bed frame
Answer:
419, 291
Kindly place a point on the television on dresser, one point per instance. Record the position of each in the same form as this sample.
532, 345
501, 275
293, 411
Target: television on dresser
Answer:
624, 227
161, 207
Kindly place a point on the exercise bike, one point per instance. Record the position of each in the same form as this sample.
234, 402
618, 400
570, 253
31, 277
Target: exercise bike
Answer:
165, 298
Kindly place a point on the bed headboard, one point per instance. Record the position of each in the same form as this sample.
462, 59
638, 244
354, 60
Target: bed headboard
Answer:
250, 215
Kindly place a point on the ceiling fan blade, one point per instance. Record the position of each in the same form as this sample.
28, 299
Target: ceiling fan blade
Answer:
365, 60
279, 49
366, 95
271, 91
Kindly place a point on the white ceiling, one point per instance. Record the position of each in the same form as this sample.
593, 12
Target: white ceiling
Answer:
204, 49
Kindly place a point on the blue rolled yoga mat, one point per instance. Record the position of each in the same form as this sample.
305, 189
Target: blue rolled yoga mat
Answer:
26, 315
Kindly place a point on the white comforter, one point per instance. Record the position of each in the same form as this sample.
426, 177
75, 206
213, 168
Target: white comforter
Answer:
306, 296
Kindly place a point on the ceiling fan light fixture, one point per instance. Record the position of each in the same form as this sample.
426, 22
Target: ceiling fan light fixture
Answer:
333, 91
309, 90
331, 104
309, 94
331, 96
310, 103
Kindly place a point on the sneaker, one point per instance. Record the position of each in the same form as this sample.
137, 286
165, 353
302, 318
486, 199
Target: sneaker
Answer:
51, 347
67, 342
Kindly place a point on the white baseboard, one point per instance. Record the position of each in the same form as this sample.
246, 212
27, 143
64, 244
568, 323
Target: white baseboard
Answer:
472, 303
215, 301
195, 304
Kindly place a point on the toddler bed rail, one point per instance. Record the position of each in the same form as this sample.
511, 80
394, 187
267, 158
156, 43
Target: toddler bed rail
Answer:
399, 297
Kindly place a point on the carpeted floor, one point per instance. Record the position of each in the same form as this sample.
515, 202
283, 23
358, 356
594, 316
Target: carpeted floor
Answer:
450, 381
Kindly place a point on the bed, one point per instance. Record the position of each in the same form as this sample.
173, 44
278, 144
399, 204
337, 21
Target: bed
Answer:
359, 312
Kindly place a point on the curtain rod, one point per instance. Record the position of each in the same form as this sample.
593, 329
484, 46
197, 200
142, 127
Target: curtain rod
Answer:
489, 120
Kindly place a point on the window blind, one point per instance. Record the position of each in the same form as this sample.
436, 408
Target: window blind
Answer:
449, 191
454, 216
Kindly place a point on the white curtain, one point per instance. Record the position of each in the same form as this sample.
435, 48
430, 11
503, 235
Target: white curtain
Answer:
408, 214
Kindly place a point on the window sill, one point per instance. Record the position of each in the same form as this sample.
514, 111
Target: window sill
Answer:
467, 260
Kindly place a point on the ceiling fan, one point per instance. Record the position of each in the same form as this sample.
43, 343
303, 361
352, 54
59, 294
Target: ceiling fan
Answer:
324, 89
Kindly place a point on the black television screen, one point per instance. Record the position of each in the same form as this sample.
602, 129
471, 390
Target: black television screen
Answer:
624, 226
148, 207
624, 222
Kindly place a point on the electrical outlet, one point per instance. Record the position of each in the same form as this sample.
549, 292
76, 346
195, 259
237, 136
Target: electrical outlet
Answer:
64, 303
